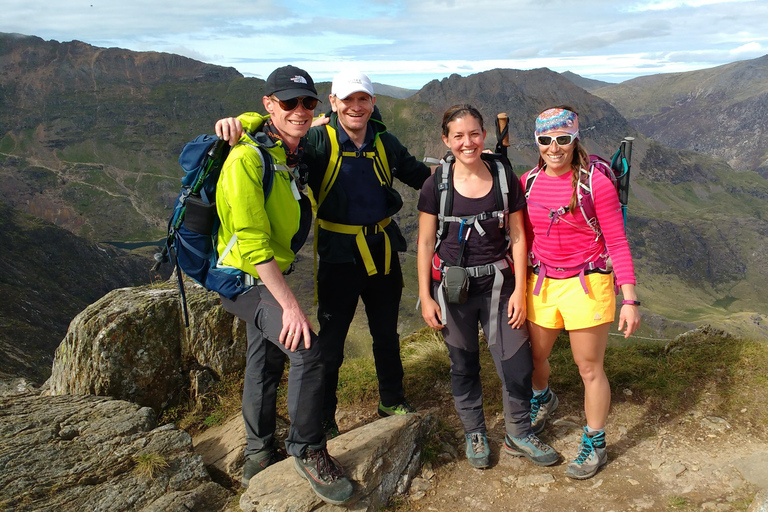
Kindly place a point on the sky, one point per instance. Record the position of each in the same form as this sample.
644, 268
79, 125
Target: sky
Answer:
408, 43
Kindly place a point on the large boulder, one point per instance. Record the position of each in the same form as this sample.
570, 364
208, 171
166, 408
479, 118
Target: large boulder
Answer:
75, 453
380, 458
132, 344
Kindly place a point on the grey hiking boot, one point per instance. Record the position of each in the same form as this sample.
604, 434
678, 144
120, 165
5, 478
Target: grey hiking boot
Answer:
325, 475
477, 450
542, 407
398, 409
592, 455
256, 463
532, 448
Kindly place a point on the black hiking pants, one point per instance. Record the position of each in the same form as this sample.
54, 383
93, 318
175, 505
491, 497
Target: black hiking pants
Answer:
339, 286
511, 353
264, 365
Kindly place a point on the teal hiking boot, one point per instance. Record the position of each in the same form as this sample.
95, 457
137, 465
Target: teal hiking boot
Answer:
592, 456
532, 448
477, 450
325, 475
542, 407
256, 463
398, 409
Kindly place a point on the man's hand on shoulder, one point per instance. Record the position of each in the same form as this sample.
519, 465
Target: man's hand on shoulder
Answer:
229, 129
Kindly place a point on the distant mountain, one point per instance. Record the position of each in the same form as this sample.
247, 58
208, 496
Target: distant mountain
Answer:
522, 95
587, 84
90, 137
47, 276
392, 91
721, 111
95, 132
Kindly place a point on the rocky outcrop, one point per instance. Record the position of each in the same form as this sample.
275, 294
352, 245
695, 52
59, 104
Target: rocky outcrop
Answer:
380, 458
132, 345
76, 453
760, 503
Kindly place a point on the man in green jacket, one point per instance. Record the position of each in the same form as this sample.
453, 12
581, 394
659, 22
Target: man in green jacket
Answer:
260, 234
351, 162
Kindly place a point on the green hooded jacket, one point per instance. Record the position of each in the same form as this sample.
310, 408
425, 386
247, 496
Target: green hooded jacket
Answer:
264, 231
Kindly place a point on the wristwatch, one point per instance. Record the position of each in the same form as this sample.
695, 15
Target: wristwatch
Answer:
627, 302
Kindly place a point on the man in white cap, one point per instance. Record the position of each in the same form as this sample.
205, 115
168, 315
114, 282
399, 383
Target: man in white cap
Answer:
351, 162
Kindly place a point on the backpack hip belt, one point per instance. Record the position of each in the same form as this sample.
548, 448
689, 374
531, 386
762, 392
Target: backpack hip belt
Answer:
488, 269
600, 264
360, 232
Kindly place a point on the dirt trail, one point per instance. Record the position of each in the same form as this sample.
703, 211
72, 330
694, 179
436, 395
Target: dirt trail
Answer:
693, 462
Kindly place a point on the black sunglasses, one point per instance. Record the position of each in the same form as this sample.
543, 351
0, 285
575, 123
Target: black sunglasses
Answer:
288, 105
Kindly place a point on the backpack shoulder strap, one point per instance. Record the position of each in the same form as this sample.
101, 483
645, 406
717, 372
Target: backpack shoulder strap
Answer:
334, 163
501, 180
267, 168
444, 195
530, 179
380, 162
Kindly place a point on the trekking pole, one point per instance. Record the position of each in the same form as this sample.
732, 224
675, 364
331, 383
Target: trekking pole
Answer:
502, 133
626, 147
627, 143
502, 138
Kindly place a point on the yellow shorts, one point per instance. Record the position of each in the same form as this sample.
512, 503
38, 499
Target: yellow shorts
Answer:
562, 303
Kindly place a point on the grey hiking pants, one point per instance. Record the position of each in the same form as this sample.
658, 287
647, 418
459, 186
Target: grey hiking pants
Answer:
511, 355
264, 365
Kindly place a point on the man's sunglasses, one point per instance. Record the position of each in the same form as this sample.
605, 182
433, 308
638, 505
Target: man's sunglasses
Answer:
288, 105
562, 140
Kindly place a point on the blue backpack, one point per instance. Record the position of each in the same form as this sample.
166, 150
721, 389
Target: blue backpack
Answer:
191, 244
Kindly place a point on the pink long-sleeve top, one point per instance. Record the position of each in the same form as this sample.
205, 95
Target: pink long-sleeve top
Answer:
569, 242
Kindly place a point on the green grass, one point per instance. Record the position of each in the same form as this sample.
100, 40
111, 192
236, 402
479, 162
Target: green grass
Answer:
669, 381
149, 464
677, 503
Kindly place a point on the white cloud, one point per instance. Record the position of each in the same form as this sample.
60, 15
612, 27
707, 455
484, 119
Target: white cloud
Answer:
413, 41
750, 48
666, 5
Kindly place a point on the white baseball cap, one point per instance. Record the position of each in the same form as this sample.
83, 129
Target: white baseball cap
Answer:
350, 82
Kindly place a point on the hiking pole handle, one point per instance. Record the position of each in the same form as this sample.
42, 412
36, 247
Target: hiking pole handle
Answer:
502, 133
628, 148
503, 120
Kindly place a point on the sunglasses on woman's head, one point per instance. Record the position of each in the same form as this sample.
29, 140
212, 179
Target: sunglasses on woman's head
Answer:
288, 105
561, 140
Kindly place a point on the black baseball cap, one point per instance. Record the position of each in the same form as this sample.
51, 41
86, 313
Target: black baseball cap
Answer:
290, 82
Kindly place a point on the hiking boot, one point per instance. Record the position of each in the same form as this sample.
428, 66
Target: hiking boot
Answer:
325, 475
532, 448
592, 455
542, 407
477, 450
256, 463
399, 409
330, 428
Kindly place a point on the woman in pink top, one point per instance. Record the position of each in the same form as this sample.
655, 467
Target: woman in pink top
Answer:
572, 285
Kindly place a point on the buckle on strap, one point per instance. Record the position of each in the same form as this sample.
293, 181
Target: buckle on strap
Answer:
249, 281
488, 269
372, 229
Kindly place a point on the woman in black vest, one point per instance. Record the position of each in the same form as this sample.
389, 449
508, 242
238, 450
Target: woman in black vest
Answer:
475, 251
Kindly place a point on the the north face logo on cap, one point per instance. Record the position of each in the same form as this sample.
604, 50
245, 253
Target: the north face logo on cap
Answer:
299, 79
